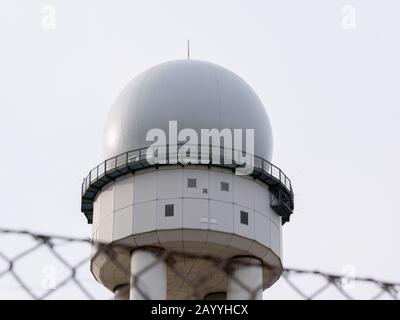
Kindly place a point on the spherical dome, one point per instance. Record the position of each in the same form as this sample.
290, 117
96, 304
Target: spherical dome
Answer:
196, 94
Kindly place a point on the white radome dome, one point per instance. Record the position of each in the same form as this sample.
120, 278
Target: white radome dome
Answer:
196, 94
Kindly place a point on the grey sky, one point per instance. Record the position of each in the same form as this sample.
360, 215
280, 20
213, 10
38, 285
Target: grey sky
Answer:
332, 96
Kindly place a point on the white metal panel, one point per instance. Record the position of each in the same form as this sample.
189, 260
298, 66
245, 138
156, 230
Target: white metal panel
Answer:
106, 201
123, 193
276, 219
276, 239
106, 229
201, 177
169, 184
221, 216
96, 211
242, 229
244, 192
145, 187
262, 230
174, 222
123, 223
194, 212
262, 200
215, 179
144, 217
95, 233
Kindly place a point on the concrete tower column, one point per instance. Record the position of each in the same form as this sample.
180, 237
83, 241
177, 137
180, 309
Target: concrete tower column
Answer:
248, 271
121, 292
151, 283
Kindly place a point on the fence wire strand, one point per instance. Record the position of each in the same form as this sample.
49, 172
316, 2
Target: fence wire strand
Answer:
54, 245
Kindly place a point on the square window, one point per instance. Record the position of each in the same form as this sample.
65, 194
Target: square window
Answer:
192, 183
224, 186
169, 210
244, 217
205, 191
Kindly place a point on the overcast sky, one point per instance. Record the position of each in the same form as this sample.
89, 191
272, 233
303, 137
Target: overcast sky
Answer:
330, 86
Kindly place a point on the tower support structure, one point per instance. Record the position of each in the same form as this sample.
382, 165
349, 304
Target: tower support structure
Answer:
148, 275
245, 279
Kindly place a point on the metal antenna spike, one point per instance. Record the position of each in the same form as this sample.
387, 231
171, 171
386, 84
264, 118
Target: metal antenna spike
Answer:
188, 49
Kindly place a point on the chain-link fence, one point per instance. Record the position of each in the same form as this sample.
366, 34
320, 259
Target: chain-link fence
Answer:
39, 266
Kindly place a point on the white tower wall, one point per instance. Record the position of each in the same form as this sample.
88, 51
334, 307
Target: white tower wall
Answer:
206, 219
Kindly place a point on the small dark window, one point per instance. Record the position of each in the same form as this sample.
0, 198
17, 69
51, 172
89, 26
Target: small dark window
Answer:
205, 190
169, 210
224, 186
192, 183
244, 217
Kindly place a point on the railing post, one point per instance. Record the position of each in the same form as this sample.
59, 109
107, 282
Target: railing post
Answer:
167, 154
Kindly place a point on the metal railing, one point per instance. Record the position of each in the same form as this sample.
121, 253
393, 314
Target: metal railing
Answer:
226, 159
131, 161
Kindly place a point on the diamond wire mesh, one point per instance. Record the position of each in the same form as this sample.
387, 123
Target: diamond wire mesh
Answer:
55, 267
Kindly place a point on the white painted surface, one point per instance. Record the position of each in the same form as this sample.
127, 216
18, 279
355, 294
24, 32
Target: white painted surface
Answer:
222, 212
106, 201
215, 179
123, 223
195, 213
277, 220
106, 229
197, 94
202, 183
151, 284
243, 190
241, 229
249, 275
123, 193
276, 239
144, 217
261, 224
174, 222
262, 200
207, 223
145, 187
139, 205
169, 184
